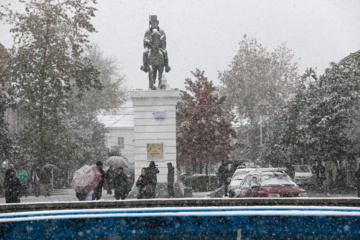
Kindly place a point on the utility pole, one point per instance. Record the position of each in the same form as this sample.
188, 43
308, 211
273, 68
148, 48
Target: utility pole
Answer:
261, 142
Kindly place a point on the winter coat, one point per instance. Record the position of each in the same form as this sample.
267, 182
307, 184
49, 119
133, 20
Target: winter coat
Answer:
223, 174
152, 171
143, 183
23, 177
171, 175
46, 177
320, 173
357, 177
35, 175
102, 181
121, 183
12, 187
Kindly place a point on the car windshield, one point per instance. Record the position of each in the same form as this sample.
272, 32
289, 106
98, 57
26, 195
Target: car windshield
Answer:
302, 169
240, 175
276, 180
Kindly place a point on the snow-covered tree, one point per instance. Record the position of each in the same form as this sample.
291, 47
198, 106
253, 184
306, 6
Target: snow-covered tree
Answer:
87, 132
204, 127
114, 91
47, 65
257, 83
5, 104
322, 118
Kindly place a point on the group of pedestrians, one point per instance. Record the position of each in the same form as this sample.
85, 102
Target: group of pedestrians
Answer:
147, 181
115, 179
16, 183
119, 182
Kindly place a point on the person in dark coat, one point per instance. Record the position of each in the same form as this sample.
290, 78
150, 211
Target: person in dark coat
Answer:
143, 184
170, 179
223, 174
120, 184
35, 180
98, 190
110, 176
357, 177
46, 181
152, 171
320, 177
12, 187
80, 196
290, 170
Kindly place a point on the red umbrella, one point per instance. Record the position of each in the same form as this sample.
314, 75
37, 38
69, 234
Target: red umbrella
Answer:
86, 179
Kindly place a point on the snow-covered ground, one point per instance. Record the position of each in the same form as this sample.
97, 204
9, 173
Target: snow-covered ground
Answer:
65, 195
68, 195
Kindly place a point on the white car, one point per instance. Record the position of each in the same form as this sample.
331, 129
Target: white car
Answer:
303, 175
241, 173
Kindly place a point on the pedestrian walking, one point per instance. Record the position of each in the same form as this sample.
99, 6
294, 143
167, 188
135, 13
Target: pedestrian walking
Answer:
120, 183
357, 177
11, 166
170, 179
12, 187
143, 184
35, 180
320, 177
223, 174
46, 181
152, 171
109, 180
98, 190
81, 196
290, 170
23, 177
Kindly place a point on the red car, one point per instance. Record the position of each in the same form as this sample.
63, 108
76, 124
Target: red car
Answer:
269, 184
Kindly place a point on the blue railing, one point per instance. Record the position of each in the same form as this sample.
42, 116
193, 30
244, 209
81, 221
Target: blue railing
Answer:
278, 222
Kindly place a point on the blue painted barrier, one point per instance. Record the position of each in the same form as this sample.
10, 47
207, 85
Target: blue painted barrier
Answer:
278, 222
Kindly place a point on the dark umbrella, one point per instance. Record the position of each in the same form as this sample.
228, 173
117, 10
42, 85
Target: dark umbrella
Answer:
49, 166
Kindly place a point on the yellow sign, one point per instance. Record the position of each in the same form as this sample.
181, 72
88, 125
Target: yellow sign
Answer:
155, 150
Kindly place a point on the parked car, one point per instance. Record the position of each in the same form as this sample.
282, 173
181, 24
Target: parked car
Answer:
269, 184
303, 175
237, 178
240, 174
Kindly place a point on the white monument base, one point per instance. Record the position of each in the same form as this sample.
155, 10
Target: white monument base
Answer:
154, 134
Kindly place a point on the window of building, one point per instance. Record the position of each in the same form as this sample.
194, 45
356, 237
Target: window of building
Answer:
121, 142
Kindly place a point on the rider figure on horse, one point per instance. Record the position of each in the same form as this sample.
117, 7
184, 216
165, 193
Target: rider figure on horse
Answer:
154, 24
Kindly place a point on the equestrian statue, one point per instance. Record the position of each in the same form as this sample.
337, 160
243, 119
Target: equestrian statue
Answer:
155, 57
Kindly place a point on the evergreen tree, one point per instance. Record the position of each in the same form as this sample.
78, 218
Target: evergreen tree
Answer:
204, 128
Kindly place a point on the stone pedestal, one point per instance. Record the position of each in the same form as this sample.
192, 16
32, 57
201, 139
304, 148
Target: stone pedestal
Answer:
154, 133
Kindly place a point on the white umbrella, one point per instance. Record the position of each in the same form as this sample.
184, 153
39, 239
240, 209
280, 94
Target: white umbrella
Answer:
86, 179
117, 161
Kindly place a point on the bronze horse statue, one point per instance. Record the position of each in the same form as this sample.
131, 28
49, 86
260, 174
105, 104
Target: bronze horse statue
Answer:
156, 61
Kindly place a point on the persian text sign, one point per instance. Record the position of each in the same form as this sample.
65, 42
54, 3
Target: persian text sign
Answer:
155, 150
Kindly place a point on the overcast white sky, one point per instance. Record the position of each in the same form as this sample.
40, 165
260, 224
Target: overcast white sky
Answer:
205, 34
